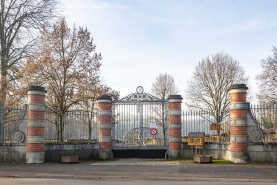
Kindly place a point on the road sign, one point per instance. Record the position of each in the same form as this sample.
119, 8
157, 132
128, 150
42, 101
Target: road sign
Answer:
153, 131
153, 125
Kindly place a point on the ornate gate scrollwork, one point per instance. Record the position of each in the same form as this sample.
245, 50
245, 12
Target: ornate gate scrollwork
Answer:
134, 116
12, 118
256, 136
17, 135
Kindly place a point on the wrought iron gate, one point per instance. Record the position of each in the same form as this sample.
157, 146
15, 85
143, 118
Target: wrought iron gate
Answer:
140, 121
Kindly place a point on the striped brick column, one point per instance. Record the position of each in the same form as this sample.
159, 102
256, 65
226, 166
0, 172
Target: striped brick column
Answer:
105, 142
238, 123
175, 125
36, 124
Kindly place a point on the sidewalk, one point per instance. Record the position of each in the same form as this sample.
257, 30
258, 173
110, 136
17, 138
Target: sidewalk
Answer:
145, 169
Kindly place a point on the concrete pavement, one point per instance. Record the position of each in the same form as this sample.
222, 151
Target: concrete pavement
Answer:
145, 169
32, 181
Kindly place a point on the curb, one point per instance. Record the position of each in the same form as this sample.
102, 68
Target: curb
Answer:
141, 178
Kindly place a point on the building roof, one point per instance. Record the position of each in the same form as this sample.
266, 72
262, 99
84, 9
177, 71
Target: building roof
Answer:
196, 134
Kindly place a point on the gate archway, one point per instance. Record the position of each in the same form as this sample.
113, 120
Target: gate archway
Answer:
140, 122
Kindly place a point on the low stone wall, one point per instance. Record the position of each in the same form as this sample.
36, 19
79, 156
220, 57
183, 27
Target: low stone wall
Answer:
217, 150
54, 152
257, 152
262, 152
14, 153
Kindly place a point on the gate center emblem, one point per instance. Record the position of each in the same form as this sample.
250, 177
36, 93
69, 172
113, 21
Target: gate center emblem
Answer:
139, 89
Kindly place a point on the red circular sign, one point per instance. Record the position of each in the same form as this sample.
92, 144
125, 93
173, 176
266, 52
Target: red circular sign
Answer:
153, 131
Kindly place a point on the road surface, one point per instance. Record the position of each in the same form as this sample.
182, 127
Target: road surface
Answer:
33, 181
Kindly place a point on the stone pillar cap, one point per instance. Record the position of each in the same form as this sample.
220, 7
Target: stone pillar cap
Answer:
106, 97
37, 88
175, 97
238, 86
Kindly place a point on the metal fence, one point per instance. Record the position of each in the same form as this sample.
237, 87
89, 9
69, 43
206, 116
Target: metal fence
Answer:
265, 117
140, 124
205, 121
71, 126
82, 126
10, 124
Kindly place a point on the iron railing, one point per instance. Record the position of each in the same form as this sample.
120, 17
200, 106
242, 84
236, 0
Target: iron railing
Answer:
140, 124
205, 121
71, 126
11, 130
265, 116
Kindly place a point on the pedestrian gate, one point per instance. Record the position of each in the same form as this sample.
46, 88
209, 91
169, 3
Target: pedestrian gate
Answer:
140, 121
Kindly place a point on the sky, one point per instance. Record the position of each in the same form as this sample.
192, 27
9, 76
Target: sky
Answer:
140, 39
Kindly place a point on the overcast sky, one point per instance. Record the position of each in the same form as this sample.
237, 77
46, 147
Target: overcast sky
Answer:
139, 39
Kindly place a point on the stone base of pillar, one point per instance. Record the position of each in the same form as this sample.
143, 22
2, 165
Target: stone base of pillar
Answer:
105, 154
239, 157
174, 154
35, 157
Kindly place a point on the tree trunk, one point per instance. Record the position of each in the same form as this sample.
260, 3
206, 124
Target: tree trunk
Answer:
89, 125
61, 127
3, 89
218, 120
1, 124
3, 92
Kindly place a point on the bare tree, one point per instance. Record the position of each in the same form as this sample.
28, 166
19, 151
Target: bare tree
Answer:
88, 93
17, 90
208, 88
268, 79
63, 60
18, 20
162, 88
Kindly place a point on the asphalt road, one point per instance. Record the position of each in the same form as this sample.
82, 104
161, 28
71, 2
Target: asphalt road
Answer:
147, 169
30, 181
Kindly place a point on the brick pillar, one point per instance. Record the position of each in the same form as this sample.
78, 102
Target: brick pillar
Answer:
175, 126
238, 123
36, 124
105, 142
